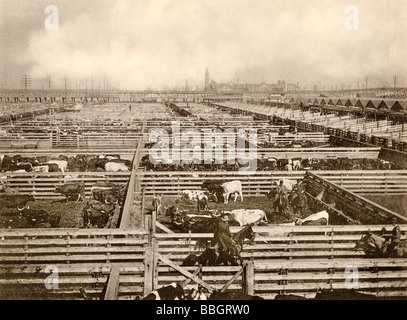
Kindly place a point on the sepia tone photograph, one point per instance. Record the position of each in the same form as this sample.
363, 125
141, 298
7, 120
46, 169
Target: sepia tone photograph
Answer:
203, 150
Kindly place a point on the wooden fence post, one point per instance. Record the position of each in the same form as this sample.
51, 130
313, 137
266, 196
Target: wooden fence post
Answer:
112, 290
249, 278
148, 270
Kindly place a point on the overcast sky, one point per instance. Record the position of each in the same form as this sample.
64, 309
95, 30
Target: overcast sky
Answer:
141, 44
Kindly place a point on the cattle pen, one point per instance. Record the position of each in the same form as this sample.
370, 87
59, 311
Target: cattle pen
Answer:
283, 260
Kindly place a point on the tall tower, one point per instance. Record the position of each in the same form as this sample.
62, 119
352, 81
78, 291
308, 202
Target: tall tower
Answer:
207, 80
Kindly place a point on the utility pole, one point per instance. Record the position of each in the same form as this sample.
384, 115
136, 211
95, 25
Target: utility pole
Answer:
395, 81
49, 82
65, 81
366, 82
26, 81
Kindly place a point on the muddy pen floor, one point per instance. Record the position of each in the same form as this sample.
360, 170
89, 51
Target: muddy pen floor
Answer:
71, 212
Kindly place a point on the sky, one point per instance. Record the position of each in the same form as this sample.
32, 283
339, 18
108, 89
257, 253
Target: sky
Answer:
161, 44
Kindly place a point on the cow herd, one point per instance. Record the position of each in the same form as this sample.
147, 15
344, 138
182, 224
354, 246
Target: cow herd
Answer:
62, 163
98, 211
202, 219
274, 164
15, 213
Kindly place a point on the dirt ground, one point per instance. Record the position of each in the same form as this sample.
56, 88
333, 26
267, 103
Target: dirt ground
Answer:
396, 203
71, 212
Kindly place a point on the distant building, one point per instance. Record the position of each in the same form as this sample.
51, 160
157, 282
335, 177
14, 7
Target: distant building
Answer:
207, 84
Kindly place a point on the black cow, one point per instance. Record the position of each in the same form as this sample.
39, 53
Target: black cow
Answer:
343, 294
15, 200
97, 164
15, 222
174, 291
26, 166
231, 295
40, 217
97, 214
70, 190
108, 193
215, 188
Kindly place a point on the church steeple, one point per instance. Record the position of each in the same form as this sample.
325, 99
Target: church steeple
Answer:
207, 80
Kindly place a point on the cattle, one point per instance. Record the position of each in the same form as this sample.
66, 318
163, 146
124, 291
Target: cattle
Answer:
232, 187
196, 294
97, 214
18, 201
15, 222
246, 217
344, 294
215, 188
192, 194
108, 193
289, 184
20, 167
70, 190
40, 217
116, 167
320, 218
202, 202
157, 203
62, 164
174, 291
231, 295
96, 164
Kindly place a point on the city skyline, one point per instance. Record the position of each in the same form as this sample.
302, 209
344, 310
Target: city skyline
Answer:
166, 44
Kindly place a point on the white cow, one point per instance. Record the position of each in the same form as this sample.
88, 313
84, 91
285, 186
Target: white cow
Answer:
320, 218
245, 217
115, 167
232, 187
192, 194
289, 184
62, 164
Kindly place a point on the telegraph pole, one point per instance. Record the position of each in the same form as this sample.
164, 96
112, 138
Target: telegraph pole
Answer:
26, 81
49, 82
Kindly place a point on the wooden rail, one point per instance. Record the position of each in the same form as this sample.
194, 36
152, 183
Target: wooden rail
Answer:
42, 185
260, 183
131, 189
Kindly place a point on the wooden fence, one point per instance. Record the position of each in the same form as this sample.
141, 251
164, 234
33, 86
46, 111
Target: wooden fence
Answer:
42, 185
79, 258
169, 183
120, 264
260, 183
